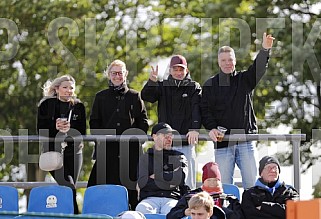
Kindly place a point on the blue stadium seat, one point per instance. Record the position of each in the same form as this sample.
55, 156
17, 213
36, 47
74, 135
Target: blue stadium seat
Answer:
9, 201
155, 216
105, 199
51, 199
231, 189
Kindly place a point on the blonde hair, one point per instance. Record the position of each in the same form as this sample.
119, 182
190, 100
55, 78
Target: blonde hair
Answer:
202, 199
49, 88
116, 62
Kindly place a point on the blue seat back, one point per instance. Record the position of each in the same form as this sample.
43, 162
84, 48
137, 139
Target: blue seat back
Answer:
155, 216
9, 199
231, 189
105, 199
53, 199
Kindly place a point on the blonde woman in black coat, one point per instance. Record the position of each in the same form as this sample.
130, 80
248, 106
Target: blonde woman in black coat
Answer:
59, 102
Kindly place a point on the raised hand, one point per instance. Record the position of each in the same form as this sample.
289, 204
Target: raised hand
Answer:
267, 41
154, 73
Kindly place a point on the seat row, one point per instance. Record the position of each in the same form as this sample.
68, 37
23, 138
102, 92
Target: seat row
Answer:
101, 201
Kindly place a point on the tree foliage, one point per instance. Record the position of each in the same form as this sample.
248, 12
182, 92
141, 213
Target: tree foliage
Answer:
43, 39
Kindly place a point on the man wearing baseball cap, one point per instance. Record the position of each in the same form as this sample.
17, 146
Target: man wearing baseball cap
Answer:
211, 179
178, 99
161, 173
267, 199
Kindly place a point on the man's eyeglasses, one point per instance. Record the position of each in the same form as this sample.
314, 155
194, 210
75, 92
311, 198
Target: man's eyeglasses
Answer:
115, 73
269, 168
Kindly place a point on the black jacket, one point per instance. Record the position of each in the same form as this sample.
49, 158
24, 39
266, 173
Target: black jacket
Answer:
114, 112
52, 108
178, 102
227, 98
170, 169
233, 211
272, 206
118, 111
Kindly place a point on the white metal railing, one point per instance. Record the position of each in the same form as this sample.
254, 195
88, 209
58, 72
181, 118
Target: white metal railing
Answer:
295, 139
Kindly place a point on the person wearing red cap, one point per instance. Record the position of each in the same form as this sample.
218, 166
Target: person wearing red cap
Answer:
178, 100
227, 102
211, 179
267, 199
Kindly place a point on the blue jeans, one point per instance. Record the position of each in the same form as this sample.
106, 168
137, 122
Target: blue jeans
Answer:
241, 154
156, 205
190, 154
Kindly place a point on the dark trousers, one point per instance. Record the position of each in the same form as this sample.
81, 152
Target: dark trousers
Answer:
68, 174
118, 167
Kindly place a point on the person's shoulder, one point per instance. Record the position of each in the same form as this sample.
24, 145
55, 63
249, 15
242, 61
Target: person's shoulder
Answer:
252, 189
47, 100
79, 104
289, 188
132, 91
176, 153
210, 81
194, 83
102, 92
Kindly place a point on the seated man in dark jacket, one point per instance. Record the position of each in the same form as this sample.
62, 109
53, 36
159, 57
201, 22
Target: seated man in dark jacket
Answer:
161, 173
266, 200
211, 179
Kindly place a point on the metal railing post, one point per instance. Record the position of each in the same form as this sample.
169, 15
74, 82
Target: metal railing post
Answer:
296, 163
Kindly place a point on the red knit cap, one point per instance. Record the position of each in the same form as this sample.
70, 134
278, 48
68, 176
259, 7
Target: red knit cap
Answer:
210, 170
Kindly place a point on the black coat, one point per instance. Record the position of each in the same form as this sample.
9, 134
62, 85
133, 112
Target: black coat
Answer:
178, 102
233, 211
227, 98
50, 109
118, 112
272, 206
170, 169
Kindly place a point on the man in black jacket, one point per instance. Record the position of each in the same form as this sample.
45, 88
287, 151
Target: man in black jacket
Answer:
267, 199
161, 173
178, 100
227, 101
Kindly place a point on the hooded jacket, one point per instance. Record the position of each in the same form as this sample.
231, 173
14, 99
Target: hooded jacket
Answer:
178, 102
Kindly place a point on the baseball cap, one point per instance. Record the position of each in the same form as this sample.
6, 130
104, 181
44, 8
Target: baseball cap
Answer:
163, 127
178, 60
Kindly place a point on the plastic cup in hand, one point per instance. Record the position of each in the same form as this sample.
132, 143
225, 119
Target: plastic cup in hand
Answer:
222, 131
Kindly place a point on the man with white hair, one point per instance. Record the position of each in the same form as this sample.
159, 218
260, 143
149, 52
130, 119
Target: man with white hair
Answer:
267, 199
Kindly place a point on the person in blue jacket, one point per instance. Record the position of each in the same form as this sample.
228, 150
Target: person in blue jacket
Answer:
267, 199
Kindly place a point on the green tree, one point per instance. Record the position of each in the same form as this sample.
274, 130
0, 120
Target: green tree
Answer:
43, 39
